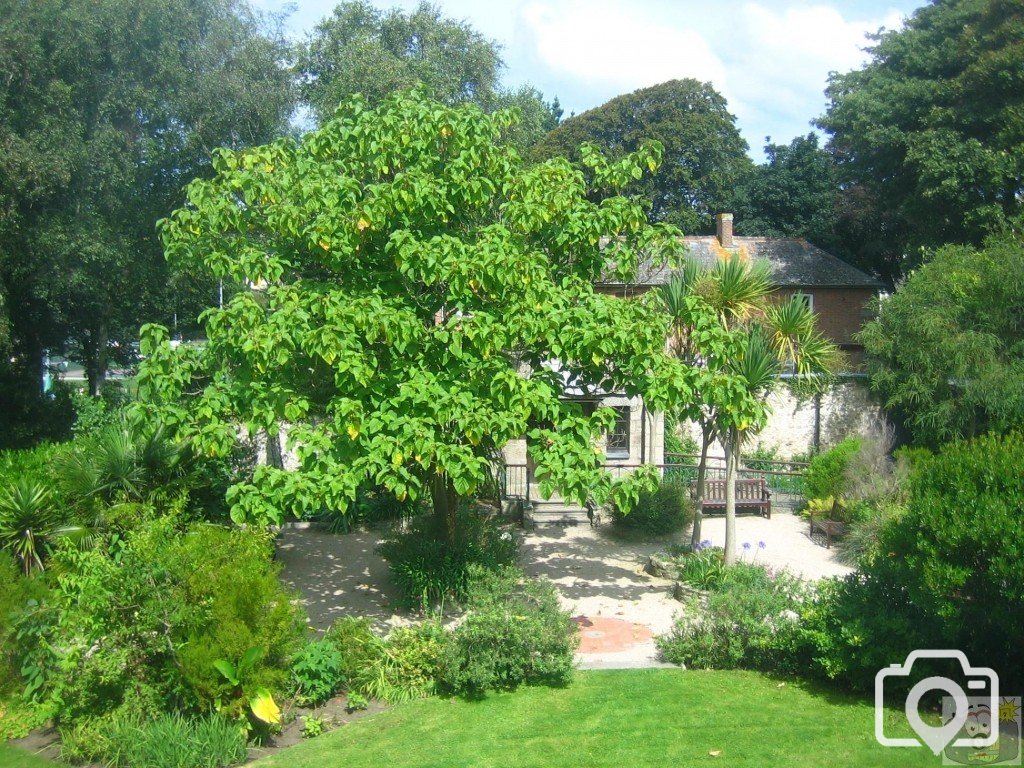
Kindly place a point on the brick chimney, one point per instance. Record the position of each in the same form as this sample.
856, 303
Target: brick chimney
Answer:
723, 226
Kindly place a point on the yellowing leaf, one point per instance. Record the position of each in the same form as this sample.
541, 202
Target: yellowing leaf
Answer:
363, 223
353, 431
446, 131
265, 708
268, 168
597, 359
325, 244
474, 284
402, 496
397, 458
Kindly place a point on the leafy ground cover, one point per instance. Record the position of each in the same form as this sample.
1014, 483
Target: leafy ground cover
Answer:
616, 718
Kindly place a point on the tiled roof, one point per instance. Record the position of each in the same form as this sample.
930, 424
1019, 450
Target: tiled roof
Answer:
794, 262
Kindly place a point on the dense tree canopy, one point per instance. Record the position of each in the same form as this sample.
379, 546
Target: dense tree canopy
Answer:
705, 156
420, 298
107, 107
947, 350
359, 49
794, 194
928, 136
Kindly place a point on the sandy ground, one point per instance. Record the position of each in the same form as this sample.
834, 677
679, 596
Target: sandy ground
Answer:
599, 575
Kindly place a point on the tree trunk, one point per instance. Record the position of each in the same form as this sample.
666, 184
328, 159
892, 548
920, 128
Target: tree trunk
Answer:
732, 451
702, 473
274, 457
96, 359
446, 505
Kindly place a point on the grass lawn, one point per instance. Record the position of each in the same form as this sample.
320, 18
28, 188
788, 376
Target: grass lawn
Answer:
660, 717
17, 758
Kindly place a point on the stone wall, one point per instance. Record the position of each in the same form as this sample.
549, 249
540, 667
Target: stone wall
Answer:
844, 411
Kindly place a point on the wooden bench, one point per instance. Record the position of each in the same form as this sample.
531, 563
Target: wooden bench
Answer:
750, 494
831, 529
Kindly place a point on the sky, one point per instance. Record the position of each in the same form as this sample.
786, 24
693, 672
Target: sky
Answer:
771, 60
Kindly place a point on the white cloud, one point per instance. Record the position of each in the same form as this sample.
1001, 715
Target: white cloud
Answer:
614, 46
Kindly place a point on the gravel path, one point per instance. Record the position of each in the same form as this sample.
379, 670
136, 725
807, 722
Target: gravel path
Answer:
599, 575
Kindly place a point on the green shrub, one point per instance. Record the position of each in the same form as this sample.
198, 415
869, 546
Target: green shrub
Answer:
704, 568
146, 617
407, 666
676, 443
18, 596
356, 644
944, 573
19, 717
514, 634
662, 511
826, 475
317, 672
429, 569
752, 621
123, 740
959, 549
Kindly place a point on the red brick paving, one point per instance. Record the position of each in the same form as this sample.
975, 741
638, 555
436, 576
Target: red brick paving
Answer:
599, 634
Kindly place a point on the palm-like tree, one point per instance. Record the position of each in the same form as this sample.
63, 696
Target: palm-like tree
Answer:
30, 522
755, 342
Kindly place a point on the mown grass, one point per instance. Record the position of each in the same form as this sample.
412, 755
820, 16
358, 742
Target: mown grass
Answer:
19, 758
663, 717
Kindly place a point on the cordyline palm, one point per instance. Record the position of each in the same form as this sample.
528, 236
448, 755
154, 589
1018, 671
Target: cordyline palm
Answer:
711, 304
765, 340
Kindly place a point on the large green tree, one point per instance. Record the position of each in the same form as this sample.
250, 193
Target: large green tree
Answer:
360, 49
705, 156
929, 135
946, 352
420, 298
107, 108
793, 194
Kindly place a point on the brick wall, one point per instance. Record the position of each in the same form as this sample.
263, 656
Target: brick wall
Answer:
840, 314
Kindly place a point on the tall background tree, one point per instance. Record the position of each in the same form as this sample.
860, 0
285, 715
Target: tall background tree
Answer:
360, 49
927, 136
793, 194
107, 108
705, 156
946, 353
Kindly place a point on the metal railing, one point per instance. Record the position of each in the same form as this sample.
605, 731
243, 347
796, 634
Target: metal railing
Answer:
783, 476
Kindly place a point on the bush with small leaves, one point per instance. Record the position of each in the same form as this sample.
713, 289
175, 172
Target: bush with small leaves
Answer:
751, 621
514, 633
662, 511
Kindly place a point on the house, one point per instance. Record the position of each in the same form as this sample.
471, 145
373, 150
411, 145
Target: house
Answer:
840, 296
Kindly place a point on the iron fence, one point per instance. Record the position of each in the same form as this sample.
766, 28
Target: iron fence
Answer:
784, 477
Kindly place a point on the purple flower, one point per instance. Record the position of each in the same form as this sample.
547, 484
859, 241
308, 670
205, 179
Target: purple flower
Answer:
761, 545
746, 545
704, 544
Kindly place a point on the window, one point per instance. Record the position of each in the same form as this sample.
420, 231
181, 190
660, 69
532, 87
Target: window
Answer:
617, 443
808, 299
